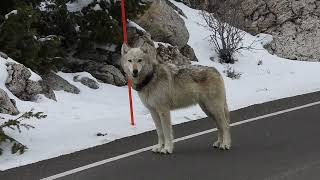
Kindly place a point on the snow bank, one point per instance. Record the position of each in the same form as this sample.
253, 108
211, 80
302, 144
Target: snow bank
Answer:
11, 13
78, 5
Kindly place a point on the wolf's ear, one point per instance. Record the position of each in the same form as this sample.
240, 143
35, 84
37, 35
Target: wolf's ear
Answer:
124, 49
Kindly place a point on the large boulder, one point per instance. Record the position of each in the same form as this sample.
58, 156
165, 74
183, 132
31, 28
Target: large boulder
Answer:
20, 84
87, 81
164, 24
295, 26
171, 54
102, 71
188, 52
57, 83
196, 4
7, 105
164, 53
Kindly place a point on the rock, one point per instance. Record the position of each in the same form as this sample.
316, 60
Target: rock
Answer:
3, 55
164, 54
175, 8
99, 55
102, 71
18, 75
137, 37
47, 91
295, 26
196, 4
171, 55
110, 74
164, 24
188, 52
7, 105
86, 81
21, 86
57, 83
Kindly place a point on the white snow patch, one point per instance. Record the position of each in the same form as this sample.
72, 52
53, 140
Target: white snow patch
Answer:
97, 8
156, 44
15, 12
44, 5
78, 5
133, 24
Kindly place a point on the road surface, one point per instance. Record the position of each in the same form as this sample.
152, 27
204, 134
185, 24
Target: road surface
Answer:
277, 140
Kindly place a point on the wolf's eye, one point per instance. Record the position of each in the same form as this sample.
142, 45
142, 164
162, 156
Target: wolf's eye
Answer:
139, 60
130, 60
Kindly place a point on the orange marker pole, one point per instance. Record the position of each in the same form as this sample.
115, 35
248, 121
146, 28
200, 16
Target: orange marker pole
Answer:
124, 29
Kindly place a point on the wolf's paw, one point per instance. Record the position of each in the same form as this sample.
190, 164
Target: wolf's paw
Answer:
167, 150
157, 148
222, 145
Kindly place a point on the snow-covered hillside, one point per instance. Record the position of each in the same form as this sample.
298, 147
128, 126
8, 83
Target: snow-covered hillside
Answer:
74, 120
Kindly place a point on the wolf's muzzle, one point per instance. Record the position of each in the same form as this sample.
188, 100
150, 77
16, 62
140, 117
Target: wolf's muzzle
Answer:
135, 73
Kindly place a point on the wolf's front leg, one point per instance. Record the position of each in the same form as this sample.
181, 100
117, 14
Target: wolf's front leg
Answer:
167, 131
157, 122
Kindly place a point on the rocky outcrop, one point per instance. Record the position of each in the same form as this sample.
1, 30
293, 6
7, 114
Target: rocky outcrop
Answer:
179, 11
196, 4
57, 83
86, 81
3, 55
7, 105
102, 71
164, 53
295, 26
19, 83
170, 54
164, 24
188, 52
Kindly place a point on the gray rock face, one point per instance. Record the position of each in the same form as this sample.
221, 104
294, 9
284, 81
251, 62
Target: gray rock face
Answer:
99, 55
188, 52
176, 8
164, 24
171, 55
102, 71
57, 83
87, 82
295, 26
3, 55
7, 105
20, 85
196, 4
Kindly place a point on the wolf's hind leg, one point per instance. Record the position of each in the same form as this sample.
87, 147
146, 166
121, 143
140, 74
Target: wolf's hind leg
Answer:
157, 122
222, 120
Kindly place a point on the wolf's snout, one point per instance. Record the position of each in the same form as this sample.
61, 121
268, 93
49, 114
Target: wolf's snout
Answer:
135, 73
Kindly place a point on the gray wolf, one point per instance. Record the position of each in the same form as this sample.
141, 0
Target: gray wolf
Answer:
163, 87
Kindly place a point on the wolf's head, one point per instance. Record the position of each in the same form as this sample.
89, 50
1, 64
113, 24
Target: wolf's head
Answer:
137, 63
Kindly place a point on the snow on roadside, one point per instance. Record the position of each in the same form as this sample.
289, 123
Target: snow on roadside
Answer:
276, 78
74, 120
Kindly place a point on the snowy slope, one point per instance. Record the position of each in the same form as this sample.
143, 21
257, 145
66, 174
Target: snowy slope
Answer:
74, 121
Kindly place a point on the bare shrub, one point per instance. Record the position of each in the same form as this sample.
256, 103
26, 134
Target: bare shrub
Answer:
231, 73
225, 23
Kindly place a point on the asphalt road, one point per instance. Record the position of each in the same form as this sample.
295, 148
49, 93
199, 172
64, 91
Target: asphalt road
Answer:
280, 147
